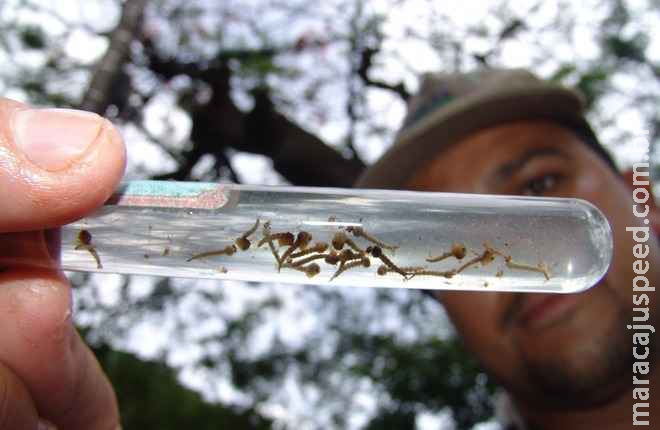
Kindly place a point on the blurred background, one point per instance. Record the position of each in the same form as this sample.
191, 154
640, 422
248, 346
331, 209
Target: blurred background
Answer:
304, 93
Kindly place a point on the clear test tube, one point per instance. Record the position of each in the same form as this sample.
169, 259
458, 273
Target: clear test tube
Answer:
352, 237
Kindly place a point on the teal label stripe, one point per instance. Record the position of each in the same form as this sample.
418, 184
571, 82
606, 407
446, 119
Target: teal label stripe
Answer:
171, 194
165, 188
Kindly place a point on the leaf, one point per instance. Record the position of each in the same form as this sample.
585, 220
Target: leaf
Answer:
632, 48
151, 397
593, 84
32, 37
563, 72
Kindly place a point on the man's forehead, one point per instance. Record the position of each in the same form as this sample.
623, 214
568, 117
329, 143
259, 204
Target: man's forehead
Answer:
499, 149
515, 137
524, 156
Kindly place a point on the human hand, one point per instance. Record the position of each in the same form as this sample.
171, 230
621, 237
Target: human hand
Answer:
55, 167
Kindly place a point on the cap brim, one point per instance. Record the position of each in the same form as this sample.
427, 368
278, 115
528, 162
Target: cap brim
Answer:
448, 124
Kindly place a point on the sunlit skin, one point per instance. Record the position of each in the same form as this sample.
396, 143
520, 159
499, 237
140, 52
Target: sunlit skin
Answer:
573, 370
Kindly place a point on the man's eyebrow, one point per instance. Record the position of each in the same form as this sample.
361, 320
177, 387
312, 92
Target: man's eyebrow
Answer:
508, 169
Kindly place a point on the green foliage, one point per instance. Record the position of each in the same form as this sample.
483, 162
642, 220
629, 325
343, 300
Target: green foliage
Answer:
37, 92
32, 37
632, 48
400, 419
564, 71
259, 66
151, 397
34, 88
427, 374
593, 84
430, 374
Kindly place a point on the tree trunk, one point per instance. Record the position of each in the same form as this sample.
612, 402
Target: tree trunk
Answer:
98, 95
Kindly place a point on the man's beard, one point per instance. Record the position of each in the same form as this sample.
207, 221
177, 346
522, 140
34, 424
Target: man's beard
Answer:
587, 376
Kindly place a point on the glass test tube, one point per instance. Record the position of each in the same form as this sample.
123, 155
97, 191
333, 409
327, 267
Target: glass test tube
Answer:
329, 236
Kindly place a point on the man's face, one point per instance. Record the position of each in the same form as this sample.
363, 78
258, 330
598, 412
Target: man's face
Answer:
577, 352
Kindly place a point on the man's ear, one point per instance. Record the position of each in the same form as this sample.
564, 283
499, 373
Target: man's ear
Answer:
654, 212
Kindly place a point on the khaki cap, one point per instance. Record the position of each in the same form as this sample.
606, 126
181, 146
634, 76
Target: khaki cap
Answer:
448, 107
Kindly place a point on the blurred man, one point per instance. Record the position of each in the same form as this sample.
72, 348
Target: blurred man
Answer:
567, 361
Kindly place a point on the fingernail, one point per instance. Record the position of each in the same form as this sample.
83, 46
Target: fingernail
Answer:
54, 138
45, 425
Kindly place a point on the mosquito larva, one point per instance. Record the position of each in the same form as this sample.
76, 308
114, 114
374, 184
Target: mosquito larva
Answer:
440, 257
317, 247
444, 274
384, 270
306, 259
275, 254
227, 250
282, 239
378, 253
363, 261
252, 229
332, 257
267, 236
310, 270
84, 242
413, 268
520, 266
497, 251
243, 241
302, 240
345, 257
458, 251
486, 257
84, 238
348, 255
360, 232
340, 239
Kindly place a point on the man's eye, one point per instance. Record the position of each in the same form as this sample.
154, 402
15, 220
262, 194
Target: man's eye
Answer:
540, 185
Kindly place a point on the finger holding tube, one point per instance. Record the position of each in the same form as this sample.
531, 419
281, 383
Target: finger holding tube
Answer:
56, 165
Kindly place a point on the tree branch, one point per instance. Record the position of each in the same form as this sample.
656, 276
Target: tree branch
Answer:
97, 96
366, 61
299, 156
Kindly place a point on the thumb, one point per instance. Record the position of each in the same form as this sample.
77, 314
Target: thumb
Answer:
55, 165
